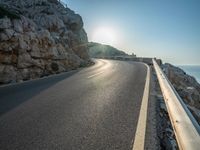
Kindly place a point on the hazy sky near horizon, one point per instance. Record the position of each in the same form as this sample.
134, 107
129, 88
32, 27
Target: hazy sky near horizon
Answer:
166, 29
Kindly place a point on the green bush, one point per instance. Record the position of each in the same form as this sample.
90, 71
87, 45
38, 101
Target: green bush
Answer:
9, 14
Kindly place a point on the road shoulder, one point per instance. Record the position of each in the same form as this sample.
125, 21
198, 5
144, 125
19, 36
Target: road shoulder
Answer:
151, 139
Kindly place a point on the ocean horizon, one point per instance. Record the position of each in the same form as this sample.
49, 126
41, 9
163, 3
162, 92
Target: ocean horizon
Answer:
193, 70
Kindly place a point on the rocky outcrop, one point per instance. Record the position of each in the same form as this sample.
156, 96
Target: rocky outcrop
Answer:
187, 87
38, 38
100, 50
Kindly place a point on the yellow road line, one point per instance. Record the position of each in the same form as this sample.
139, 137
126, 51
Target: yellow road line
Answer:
141, 125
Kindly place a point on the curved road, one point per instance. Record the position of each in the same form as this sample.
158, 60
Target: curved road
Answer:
91, 108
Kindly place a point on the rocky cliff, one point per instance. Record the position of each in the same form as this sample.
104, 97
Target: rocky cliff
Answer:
187, 87
38, 38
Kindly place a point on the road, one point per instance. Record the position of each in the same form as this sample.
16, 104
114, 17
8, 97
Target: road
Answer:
92, 108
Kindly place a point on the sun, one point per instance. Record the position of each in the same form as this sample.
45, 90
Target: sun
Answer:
104, 35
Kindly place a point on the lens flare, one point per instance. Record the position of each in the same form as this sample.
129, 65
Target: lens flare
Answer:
104, 35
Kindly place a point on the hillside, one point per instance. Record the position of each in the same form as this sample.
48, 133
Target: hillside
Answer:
39, 38
100, 50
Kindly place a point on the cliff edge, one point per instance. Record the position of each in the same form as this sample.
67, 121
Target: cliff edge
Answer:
186, 86
39, 38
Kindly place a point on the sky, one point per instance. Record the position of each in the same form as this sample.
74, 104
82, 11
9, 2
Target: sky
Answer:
166, 29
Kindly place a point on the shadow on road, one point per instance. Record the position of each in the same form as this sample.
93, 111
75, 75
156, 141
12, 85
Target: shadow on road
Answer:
13, 95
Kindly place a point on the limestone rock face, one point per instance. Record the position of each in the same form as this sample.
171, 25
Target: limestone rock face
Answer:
187, 87
39, 38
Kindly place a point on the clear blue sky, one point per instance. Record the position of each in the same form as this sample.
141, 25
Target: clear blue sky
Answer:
167, 29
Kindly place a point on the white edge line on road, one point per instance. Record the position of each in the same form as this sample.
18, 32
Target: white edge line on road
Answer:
95, 74
141, 125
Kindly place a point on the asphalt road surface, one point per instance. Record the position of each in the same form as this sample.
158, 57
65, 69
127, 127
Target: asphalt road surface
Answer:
95, 108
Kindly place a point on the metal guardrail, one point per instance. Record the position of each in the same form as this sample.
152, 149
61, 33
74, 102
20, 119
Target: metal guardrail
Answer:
186, 128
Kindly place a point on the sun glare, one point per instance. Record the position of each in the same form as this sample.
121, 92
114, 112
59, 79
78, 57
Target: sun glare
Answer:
104, 35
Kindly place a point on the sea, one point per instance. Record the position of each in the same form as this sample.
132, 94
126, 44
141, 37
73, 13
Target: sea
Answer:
192, 70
